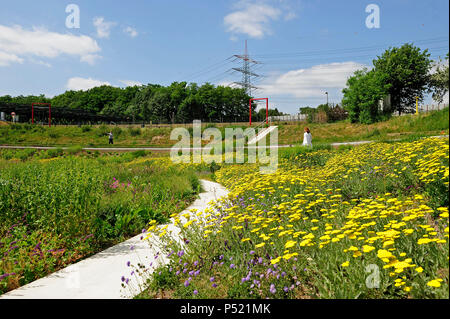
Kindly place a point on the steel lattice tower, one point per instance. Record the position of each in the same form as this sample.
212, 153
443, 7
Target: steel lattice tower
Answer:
246, 71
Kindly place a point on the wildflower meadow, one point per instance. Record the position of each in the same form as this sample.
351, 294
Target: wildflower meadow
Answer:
356, 222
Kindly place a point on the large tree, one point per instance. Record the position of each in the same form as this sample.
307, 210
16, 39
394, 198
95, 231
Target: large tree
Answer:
407, 71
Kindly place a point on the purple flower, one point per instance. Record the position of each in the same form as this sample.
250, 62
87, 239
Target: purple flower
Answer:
195, 263
211, 279
286, 289
232, 266
128, 263
252, 252
214, 285
272, 289
180, 253
186, 283
132, 247
195, 292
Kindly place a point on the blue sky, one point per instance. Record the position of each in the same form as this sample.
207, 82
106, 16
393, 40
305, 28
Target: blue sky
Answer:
306, 47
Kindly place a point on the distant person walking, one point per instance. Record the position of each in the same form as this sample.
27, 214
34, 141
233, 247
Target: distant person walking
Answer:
307, 138
111, 138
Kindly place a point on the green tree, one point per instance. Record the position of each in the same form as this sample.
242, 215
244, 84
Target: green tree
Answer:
406, 69
361, 97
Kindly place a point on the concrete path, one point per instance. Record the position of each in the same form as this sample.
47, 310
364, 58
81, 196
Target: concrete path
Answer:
262, 134
99, 276
168, 149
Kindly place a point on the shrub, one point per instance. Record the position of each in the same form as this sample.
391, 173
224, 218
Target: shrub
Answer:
86, 128
134, 131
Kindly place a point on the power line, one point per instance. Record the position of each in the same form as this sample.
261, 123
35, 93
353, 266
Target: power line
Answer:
351, 50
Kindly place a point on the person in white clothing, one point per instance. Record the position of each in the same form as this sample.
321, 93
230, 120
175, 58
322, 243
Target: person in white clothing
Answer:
307, 138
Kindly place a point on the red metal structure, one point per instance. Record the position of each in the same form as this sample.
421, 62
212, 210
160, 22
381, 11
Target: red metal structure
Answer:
49, 112
267, 108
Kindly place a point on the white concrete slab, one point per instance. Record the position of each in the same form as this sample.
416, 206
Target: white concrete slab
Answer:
99, 276
261, 134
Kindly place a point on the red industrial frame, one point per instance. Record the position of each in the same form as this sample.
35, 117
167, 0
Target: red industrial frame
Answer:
49, 112
267, 108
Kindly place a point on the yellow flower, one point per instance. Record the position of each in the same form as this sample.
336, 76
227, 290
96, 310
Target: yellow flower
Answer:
367, 248
384, 254
434, 283
419, 269
422, 241
275, 261
290, 244
388, 243
345, 264
260, 245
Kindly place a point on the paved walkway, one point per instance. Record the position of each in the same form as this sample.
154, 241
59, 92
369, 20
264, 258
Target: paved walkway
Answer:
99, 276
168, 149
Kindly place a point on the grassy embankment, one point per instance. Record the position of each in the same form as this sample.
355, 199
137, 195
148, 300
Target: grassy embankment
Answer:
408, 126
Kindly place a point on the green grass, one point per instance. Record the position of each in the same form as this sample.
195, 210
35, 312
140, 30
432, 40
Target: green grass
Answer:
432, 123
58, 207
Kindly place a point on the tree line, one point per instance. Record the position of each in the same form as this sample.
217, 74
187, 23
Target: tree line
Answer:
179, 102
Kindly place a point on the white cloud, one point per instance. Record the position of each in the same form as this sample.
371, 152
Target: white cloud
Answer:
312, 82
132, 32
130, 83
17, 43
103, 27
40, 62
290, 15
251, 19
78, 83
7, 58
